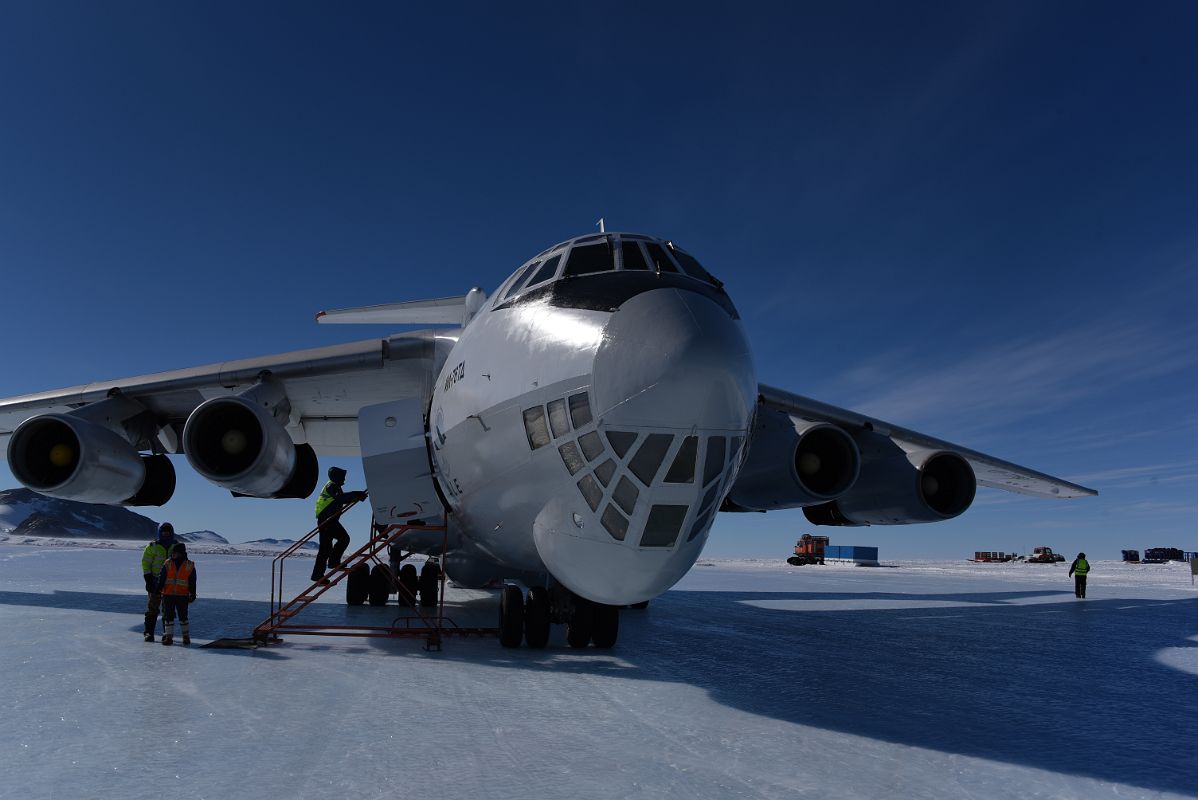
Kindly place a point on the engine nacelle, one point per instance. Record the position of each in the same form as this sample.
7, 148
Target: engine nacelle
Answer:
793, 462
899, 488
238, 444
66, 456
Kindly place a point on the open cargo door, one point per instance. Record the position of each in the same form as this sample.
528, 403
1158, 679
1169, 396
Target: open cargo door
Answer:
395, 459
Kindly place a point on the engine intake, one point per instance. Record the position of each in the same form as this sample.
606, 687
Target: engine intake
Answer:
238, 444
901, 488
65, 456
794, 462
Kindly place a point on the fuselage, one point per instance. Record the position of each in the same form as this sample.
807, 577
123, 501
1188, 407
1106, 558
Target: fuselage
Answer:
592, 415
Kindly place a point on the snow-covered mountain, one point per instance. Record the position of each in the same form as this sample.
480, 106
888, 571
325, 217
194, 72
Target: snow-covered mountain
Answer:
27, 513
202, 537
283, 544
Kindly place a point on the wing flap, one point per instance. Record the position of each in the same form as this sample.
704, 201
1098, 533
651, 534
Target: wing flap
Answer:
989, 471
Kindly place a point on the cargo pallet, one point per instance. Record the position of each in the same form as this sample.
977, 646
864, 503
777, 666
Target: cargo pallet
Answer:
991, 556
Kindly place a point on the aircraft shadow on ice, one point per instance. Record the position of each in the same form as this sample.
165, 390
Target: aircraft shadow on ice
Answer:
1061, 685
212, 617
1065, 686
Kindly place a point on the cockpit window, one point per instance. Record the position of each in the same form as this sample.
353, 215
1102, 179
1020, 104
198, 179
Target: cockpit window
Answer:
589, 258
633, 257
661, 261
518, 282
692, 267
547, 271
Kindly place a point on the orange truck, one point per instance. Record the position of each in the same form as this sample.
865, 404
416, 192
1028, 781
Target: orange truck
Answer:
1044, 555
808, 550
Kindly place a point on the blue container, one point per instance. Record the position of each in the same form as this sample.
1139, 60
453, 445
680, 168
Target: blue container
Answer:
852, 552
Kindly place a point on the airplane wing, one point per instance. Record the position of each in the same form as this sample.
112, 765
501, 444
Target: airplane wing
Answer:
253, 425
324, 387
990, 471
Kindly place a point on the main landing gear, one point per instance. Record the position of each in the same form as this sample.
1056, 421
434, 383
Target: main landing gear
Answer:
528, 618
377, 584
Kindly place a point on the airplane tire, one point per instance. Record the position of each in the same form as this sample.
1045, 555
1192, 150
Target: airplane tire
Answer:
380, 585
606, 627
511, 615
536, 617
357, 585
409, 581
578, 629
640, 605
430, 583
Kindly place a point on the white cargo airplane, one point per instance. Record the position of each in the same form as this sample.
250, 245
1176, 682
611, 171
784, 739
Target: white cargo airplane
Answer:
579, 429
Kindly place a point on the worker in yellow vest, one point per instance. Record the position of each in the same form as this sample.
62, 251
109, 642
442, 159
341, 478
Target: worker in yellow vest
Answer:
333, 537
1079, 569
152, 560
177, 583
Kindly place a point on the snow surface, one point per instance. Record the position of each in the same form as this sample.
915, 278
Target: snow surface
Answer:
749, 679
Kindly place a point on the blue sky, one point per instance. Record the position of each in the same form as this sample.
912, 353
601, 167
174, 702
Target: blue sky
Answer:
972, 219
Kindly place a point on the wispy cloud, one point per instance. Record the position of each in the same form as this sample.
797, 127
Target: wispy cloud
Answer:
1144, 475
1015, 379
1160, 507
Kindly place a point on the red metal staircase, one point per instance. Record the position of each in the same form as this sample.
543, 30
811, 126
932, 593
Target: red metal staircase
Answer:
431, 626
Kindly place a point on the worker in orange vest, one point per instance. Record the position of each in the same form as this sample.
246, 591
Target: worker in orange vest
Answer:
177, 583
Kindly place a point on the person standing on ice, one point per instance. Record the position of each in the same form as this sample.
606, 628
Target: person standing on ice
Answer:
1079, 569
152, 560
333, 537
177, 583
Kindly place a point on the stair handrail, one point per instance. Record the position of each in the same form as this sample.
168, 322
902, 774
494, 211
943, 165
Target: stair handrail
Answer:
277, 561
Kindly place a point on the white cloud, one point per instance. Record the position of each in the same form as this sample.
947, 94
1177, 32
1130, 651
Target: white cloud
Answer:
1013, 380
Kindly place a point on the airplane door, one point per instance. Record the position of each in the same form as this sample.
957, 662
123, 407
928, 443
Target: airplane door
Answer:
395, 459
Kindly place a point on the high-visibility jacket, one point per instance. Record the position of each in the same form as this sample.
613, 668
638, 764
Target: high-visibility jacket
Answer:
154, 556
328, 495
1081, 567
177, 578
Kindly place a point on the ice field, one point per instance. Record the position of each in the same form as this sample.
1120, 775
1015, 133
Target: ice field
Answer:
749, 679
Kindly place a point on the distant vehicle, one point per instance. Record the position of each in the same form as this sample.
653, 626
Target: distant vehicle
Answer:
808, 550
1131, 556
1159, 555
1044, 555
988, 556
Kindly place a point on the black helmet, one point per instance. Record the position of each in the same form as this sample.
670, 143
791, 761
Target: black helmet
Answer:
337, 475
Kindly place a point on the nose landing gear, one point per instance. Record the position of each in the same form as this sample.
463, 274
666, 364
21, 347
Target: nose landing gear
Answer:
528, 619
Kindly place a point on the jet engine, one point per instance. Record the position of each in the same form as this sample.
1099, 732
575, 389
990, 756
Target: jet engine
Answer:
72, 458
793, 462
239, 444
897, 487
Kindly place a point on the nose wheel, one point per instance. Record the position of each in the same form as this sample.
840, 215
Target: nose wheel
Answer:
528, 618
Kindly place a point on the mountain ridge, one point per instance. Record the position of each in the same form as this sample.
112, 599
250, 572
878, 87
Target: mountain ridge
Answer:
24, 512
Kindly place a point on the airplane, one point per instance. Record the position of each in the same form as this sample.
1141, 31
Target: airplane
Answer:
578, 429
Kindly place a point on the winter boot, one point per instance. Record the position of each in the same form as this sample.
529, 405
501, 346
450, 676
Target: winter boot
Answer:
166, 638
186, 633
149, 636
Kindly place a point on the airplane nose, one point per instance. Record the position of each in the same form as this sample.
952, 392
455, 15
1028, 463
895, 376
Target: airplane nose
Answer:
674, 390
674, 358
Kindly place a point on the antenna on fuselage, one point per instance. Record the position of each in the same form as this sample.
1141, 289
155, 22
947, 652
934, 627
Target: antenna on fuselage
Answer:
600, 224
